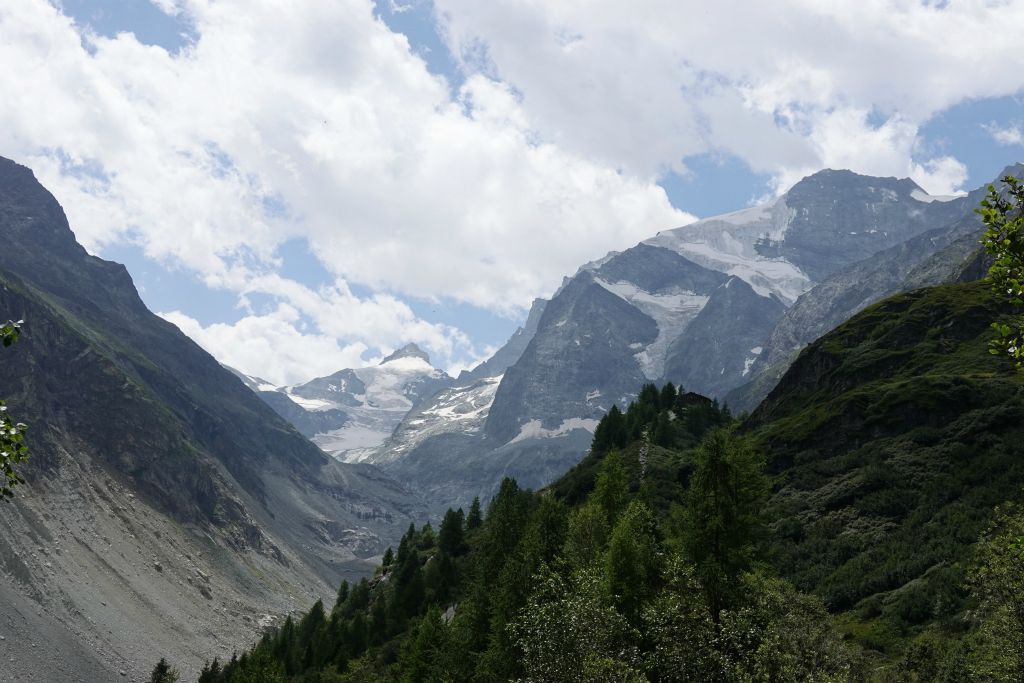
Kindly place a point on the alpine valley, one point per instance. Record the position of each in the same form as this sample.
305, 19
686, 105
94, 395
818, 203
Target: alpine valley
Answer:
174, 507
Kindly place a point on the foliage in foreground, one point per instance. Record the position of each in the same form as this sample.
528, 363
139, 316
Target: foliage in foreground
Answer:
1002, 212
13, 450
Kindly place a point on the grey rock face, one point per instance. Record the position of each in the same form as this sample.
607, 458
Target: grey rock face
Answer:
935, 256
580, 361
308, 422
451, 468
341, 388
715, 352
658, 270
373, 401
460, 409
408, 351
352, 412
719, 306
440, 445
510, 352
842, 218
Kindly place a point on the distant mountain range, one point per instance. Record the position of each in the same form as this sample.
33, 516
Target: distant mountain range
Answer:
720, 307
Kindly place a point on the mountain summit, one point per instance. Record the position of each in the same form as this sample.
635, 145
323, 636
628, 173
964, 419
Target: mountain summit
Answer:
408, 351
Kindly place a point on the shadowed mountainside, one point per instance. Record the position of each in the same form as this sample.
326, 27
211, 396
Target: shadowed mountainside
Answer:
165, 501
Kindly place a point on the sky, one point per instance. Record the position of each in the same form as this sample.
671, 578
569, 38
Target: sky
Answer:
304, 186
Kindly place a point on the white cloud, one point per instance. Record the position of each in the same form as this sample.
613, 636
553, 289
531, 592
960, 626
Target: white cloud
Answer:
380, 321
1005, 135
310, 121
788, 86
845, 138
270, 346
320, 107
313, 121
299, 339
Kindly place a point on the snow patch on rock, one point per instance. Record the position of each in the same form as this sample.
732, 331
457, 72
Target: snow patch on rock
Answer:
922, 196
534, 429
375, 400
461, 409
672, 311
728, 244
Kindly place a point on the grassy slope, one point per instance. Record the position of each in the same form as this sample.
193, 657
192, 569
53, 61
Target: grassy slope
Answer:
892, 438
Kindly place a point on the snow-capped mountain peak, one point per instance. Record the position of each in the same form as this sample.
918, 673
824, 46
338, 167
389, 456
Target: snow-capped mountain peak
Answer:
374, 399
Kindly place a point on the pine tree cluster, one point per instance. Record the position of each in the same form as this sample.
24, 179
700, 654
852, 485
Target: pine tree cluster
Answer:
605, 582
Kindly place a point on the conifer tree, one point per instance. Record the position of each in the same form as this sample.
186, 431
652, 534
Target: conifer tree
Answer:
451, 537
475, 518
211, 672
426, 537
451, 543
284, 644
722, 508
313, 620
342, 594
586, 535
667, 398
661, 431
540, 541
471, 628
545, 532
358, 635
408, 582
630, 563
163, 673
506, 520
611, 491
358, 599
424, 658
310, 635
610, 432
260, 667
649, 396
378, 626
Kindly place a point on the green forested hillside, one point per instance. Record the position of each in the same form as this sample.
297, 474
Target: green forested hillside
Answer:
688, 546
891, 440
639, 564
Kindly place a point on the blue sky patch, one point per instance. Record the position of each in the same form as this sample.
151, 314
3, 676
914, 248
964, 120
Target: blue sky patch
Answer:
147, 21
